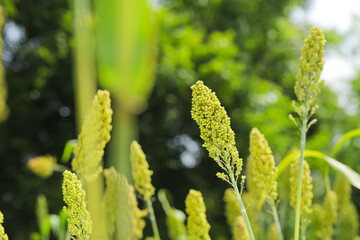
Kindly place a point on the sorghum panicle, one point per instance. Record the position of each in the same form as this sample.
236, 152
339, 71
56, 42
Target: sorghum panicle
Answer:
42, 166
263, 169
140, 172
3, 235
197, 225
307, 85
331, 207
307, 187
215, 130
95, 134
119, 197
79, 221
342, 188
348, 219
272, 233
239, 231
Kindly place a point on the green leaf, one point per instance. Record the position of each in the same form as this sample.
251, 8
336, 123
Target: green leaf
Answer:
35, 236
62, 230
344, 138
285, 162
68, 149
339, 167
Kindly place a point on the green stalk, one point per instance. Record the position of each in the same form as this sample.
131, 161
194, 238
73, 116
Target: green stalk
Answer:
327, 179
299, 185
84, 73
164, 201
303, 236
276, 219
241, 204
123, 133
153, 219
60, 168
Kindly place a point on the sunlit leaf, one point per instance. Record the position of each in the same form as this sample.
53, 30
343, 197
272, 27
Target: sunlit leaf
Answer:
339, 167
347, 136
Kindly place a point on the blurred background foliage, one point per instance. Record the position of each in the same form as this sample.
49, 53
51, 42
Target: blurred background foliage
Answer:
246, 51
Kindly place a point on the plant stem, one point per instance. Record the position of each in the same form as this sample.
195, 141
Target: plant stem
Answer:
241, 204
303, 236
164, 201
299, 185
60, 168
124, 132
153, 219
276, 219
327, 178
84, 74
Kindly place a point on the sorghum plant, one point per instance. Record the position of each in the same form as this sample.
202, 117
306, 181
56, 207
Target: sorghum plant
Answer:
219, 139
307, 87
142, 178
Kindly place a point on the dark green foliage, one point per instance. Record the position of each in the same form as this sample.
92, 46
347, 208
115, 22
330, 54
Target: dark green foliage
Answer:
40, 98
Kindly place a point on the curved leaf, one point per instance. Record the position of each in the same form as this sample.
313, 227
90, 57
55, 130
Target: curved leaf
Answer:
68, 149
344, 138
339, 167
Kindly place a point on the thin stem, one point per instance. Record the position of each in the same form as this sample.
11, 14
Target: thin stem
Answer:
124, 132
60, 168
153, 219
327, 179
164, 201
84, 74
299, 185
303, 236
276, 219
241, 204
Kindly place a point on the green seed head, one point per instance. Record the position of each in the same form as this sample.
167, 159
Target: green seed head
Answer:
95, 134
348, 221
308, 85
239, 231
331, 207
3, 235
215, 130
272, 233
263, 170
342, 189
79, 221
197, 225
307, 187
141, 172
42, 166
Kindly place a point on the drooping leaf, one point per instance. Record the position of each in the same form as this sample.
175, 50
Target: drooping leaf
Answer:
347, 136
339, 167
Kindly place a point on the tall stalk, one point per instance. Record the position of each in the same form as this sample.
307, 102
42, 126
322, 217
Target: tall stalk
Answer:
125, 130
219, 139
277, 221
307, 87
84, 73
242, 207
299, 183
241, 204
153, 219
